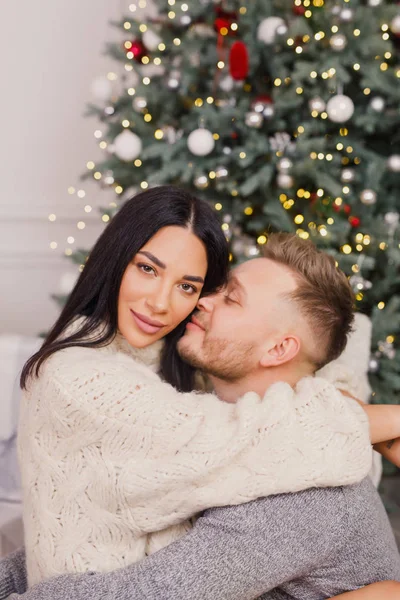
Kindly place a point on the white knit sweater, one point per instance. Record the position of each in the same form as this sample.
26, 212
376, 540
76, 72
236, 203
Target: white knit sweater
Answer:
114, 461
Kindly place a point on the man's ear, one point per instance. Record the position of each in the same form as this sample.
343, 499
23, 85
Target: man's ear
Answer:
284, 350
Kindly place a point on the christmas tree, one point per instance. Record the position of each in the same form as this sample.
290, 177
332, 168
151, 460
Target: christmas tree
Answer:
285, 115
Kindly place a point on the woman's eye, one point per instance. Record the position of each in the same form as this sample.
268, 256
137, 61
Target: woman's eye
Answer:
146, 268
189, 289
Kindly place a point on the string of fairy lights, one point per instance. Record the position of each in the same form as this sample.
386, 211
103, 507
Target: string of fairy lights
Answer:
318, 110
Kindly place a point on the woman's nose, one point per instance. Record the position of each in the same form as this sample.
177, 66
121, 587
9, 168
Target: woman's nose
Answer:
159, 301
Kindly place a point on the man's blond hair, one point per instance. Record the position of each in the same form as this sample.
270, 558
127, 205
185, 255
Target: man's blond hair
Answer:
323, 295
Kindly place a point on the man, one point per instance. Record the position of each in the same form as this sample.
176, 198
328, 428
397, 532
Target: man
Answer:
280, 318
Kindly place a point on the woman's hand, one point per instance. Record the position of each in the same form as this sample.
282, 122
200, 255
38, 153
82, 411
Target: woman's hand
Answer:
384, 590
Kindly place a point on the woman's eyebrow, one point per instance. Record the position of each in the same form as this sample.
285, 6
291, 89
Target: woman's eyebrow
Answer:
193, 278
155, 260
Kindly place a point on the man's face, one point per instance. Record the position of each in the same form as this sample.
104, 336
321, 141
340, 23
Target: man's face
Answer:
234, 329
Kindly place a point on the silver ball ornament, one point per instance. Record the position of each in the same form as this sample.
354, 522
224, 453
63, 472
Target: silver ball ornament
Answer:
201, 182
284, 165
127, 146
374, 3
254, 119
368, 197
395, 24
139, 103
270, 28
392, 220
346, 15
185, 20
226, 84
374, 365
284, 180
340, 108
201, 142
377, 104
221, 172
393, 163
151, 40
317, 104
174, 80
338, 42
347, 175
269, 111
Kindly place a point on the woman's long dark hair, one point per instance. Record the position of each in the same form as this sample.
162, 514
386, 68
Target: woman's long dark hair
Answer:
95, 294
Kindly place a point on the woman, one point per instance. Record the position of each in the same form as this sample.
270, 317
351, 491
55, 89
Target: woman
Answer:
113, 460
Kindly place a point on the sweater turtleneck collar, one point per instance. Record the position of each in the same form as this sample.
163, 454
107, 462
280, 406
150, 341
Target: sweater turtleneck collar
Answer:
149, 356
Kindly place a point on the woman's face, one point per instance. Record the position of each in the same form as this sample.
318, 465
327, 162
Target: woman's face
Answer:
161, 286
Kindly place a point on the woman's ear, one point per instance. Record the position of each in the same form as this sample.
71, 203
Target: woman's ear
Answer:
284, 350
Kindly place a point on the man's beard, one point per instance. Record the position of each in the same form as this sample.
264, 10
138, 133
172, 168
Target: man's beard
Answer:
224, 359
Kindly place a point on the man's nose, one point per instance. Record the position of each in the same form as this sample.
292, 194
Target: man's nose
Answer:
207, 303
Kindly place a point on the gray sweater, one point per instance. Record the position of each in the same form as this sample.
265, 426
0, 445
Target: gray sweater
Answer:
307, 546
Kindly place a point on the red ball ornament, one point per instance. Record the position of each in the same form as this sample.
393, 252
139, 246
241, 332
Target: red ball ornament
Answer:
239, 61
354, 221
221, 24
299, 10
138, 49
347, 209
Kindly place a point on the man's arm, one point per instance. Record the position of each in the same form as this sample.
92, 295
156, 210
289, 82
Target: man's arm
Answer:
232, 553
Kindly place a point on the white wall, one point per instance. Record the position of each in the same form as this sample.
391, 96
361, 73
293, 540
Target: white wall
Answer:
50, 52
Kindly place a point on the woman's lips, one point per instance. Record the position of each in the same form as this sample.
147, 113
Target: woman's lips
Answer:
145, 324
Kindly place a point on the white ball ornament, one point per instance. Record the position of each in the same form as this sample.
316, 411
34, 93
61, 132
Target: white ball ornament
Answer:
254, 119
102, 88
395, 24
201, 182
151, 40
269, 28
393, 163
378, 104
317, 104
127, 146
284, 180
340, 108
347, 175
338, 42
200, 142
284, 165
346, 15
226, 84
368, 197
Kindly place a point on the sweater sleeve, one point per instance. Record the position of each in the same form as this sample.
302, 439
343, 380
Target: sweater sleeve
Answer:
13, 574
180, 453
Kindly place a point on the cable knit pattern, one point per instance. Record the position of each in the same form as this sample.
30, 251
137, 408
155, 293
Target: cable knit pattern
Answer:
114, 461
